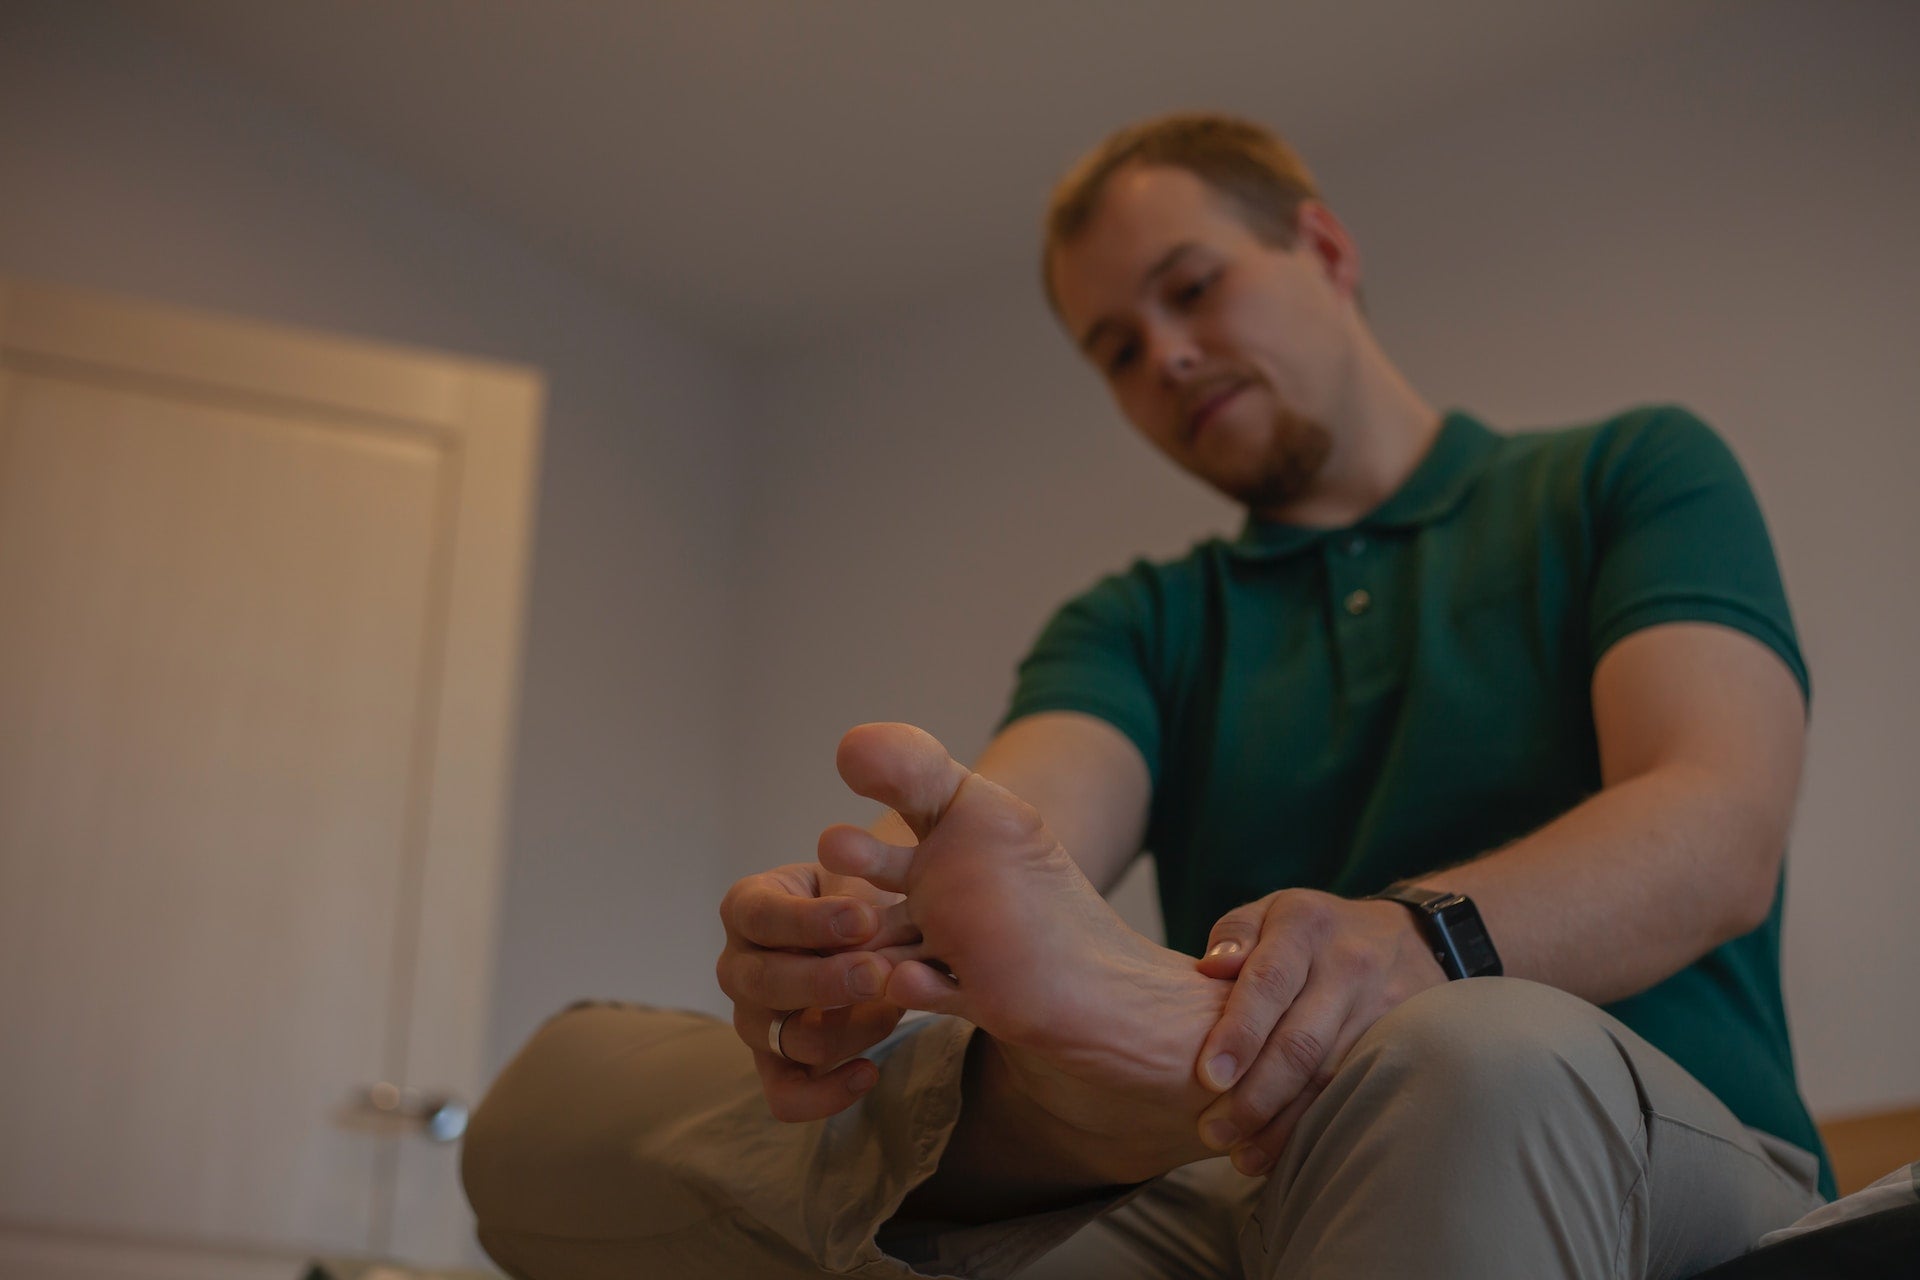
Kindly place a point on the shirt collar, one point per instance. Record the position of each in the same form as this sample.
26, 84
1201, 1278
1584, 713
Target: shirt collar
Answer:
1459, 454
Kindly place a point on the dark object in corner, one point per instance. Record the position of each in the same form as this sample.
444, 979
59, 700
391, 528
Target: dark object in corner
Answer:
1880, 1246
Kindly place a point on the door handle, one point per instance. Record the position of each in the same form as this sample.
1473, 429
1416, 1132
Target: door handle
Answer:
439, 1117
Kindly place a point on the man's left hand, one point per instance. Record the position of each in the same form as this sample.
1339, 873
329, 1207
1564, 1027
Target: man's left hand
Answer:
1312, 972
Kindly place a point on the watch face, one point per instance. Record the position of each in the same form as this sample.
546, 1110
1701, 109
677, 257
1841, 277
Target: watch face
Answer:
1476, 953
1464, 935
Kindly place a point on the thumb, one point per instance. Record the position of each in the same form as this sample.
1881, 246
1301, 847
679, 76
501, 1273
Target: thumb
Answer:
1232, 938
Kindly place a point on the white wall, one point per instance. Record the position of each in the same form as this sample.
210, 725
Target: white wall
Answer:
1724, 221
1727, 223
126, 165
924, 497
725, 581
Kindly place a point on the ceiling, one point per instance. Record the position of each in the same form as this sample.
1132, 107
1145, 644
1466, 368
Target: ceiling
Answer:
757, 169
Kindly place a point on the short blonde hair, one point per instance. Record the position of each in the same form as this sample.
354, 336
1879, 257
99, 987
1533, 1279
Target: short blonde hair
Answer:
1264, 179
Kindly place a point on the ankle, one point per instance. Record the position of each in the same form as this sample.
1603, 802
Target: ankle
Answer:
1075, 1131
1127, 1106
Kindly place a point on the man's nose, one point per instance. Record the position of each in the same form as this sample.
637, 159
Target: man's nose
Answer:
1176, 356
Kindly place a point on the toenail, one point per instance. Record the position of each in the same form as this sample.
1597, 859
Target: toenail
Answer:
865, 980
1220, 1069
1218, 1134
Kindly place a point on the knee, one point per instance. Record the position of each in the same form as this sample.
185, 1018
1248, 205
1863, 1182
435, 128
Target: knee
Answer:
1496, 1049
560, 1143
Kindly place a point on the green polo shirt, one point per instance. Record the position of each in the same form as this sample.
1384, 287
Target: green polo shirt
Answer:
1342, 708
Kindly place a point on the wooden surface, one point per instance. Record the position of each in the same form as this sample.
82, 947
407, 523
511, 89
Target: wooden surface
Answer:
1866, 1148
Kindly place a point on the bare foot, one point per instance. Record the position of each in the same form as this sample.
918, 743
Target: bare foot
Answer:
1099, 1026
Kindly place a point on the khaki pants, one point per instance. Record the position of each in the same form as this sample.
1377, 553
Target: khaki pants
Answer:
1489, 1128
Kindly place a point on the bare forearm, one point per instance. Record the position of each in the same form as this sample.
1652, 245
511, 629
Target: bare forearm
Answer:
1627, 888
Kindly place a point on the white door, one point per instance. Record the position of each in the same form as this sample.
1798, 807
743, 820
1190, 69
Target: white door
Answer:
260, 605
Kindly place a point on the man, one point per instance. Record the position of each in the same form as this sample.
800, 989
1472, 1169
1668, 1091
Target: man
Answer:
1551, 674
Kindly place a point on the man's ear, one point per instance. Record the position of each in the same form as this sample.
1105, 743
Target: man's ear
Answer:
1322, 234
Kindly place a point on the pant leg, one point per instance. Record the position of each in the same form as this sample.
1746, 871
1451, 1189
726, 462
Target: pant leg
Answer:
1184, 1226
1496, 1128
624, 1141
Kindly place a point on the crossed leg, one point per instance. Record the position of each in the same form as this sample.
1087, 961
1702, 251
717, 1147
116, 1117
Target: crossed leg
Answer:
1500, 1126
1491, 1127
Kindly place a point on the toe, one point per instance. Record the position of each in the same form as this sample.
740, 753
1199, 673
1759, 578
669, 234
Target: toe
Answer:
902, 767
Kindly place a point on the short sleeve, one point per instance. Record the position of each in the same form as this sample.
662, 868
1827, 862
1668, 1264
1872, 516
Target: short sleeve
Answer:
1680, 538
1096, 656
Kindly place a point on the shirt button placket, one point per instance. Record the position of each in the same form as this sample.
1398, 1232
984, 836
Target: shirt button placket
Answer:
1364, 649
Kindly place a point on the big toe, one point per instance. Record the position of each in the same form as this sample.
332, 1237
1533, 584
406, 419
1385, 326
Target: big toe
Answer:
904, 768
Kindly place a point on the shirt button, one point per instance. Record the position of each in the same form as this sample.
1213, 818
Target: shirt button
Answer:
1358, 602
1356, 544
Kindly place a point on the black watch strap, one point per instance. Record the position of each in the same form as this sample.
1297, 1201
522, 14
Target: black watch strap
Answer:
1452, 927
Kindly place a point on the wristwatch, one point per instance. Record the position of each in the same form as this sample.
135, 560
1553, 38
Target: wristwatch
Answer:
1452, 927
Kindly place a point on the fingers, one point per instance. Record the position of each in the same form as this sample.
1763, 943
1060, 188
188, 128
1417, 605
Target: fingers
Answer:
819, 1037
896, 929
1258, 1153
1298, 1058
849, 851
1271, 977
1232, 939
781, 909
1353, 961
797, 980
902, 767
795, 1094
912, 949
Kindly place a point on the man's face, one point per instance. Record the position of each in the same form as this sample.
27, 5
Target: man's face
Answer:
1229, 354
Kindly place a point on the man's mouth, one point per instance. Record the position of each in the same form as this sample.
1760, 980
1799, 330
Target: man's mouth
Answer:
1209, 406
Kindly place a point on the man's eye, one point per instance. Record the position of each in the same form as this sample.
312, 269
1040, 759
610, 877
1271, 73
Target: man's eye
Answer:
1188, 294
1122, 358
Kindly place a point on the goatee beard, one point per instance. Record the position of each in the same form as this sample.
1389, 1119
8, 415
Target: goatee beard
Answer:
1294, 459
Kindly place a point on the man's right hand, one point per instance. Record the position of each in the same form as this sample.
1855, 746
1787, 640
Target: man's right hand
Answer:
797, 939
783, 951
